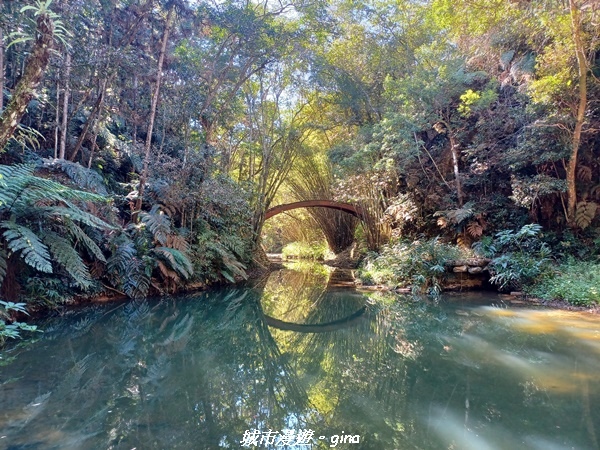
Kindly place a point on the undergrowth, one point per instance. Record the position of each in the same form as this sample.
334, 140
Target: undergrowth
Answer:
577, 282
419, 264
315, 251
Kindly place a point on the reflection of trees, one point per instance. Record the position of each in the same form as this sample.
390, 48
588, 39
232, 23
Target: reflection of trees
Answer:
197, 372
167, 376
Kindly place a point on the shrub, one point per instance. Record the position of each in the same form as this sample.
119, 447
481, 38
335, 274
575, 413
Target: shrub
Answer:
302, 250
523, 257
10, 329
576, 282
420, 264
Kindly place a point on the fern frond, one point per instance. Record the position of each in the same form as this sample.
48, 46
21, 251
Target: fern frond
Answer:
33, 251
455, 216
584, 173
85, 178
585, 213
76, 214
167, 272
123, 251
137, 280
63, 252
42, 189
19, 188
158, 223
13, 180
85, 240
178, 242
474, 229
176, 260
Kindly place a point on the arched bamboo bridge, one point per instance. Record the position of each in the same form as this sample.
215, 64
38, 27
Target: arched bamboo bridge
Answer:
341, 206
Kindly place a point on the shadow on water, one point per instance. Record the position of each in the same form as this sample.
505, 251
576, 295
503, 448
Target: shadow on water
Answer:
303, 352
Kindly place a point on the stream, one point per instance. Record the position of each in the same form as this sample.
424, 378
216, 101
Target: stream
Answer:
304, 361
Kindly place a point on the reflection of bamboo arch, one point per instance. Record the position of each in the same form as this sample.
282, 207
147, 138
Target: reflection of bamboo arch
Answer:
317, 327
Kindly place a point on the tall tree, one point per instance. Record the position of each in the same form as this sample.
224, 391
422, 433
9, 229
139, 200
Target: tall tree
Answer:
35, 66
153, 106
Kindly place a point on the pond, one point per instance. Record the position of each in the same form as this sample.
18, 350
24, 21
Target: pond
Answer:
304, 362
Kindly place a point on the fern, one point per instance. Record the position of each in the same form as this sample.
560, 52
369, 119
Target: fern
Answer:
73, 213
177, 261
22, 239
64, 253
475, 229
232, 267
167, 272
123, 251
455, 216
85, 178
585, 213
137, 279
80, 236
584, 173
178, 242
158, 223
19, 188
13, 180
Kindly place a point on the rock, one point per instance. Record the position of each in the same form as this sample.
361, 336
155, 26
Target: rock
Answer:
460, 269
475, 262
403, 290
477, 269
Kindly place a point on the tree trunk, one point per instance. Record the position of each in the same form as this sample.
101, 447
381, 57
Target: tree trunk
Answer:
1, 68
91, 120
32, 75
57, 124
65, 111
455, 160
580, 117
154, 103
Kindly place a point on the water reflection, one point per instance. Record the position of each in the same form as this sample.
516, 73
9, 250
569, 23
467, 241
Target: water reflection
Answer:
298, 353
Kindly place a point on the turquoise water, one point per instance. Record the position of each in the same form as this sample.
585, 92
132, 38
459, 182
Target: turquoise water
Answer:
300, 357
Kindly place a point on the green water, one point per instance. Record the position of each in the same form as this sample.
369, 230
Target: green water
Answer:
299, 355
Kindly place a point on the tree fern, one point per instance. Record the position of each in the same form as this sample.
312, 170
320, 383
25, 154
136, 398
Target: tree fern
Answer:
74, 213
158, 223
63, 252
137, 278
13, 180
82, 176
81, 237
176, 260
22, 239
46, 220
123, 251
19, 188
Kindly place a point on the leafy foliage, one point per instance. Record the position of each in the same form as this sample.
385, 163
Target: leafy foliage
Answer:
12, 329
577, 282
43, 224
84, 178
519, 257
21, 239
420, 264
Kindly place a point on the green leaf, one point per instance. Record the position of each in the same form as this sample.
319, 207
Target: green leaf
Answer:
63, 252
33, 251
